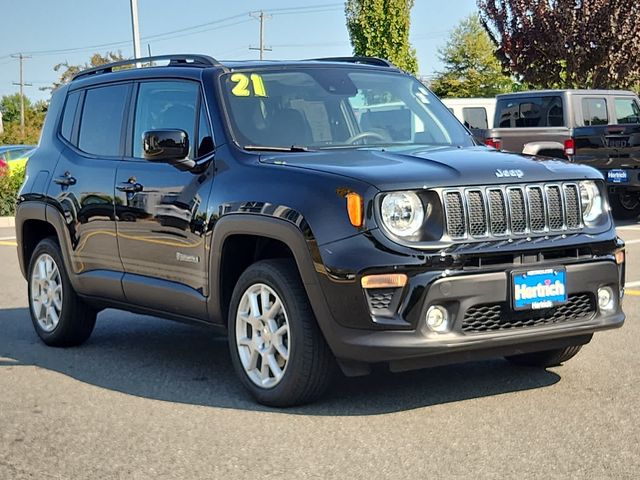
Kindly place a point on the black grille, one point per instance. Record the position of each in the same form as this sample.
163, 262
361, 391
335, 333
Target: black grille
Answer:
498, 316
380, 298
481, 212
455, 214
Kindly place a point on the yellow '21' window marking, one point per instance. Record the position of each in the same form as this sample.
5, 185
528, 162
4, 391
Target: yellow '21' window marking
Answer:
241, 89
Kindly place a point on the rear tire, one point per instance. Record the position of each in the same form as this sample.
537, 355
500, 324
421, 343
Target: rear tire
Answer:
59, 316
276, 346
625, 206
547, 358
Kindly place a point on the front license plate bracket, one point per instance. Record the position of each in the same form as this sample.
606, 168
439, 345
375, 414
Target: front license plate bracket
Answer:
538, 289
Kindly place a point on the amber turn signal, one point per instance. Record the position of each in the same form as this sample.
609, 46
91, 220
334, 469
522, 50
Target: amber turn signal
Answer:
620, 257
387, 280
355, 207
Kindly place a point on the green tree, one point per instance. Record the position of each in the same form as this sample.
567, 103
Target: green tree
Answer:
10, 107
471, 67
33, 119
380, 28
67, 70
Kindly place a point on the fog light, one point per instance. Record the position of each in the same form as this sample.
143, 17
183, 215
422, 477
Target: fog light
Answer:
606, 299
437, 318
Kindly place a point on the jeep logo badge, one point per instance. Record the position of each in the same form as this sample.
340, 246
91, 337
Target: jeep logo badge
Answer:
509, 173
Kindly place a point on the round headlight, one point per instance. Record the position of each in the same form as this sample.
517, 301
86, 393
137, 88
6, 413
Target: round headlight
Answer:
591, 201
402, 213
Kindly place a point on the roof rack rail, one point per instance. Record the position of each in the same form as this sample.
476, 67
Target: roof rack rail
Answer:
174, 60
380, 62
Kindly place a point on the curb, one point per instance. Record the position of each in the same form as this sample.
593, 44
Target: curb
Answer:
7, 222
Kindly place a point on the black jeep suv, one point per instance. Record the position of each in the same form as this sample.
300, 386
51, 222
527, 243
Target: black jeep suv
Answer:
322, 212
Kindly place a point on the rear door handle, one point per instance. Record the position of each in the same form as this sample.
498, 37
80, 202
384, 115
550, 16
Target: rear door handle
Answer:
65, 180
130, 187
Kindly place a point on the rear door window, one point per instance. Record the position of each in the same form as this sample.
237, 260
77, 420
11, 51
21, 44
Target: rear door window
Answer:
627, 110
69, 115
594, 111
527, 112
102, 119
475, 117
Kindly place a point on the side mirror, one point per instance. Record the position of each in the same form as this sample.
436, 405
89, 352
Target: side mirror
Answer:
168, 146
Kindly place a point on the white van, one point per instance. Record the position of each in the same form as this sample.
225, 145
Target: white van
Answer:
473, 113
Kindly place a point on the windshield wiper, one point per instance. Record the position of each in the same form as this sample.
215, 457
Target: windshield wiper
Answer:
266, 148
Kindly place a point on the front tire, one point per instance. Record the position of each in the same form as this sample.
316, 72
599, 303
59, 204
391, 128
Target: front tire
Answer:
276, 346
625, 206
547, 358
59, 316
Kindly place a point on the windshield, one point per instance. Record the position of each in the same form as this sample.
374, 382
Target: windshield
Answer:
319, 108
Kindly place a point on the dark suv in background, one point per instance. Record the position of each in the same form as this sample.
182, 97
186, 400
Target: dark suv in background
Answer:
599, 128
320, 213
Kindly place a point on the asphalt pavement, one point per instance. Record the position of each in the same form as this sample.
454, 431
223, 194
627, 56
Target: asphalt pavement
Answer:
148, 398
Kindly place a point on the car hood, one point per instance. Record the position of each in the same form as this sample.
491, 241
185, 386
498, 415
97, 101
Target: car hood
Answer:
398, 169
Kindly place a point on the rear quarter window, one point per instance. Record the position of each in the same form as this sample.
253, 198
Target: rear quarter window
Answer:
594, 111
527, 112
627, 110
475, 117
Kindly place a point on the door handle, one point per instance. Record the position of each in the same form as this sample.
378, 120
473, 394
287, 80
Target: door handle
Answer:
130, 187
65, 180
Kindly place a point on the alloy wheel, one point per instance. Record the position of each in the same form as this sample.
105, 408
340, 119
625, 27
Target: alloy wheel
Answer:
46, 292
262, 335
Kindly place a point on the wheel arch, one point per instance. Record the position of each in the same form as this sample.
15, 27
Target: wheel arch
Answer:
281, 239
35, 221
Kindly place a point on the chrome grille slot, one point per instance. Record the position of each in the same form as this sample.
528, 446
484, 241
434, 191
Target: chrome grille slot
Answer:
572, 202
477, 213
454, 211
517, 209
536, 209
512, 210
554, 202
497, 212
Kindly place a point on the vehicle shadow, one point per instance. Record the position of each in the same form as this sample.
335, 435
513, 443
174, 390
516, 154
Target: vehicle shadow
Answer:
162, 360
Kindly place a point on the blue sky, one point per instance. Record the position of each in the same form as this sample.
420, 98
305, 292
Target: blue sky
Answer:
72, 30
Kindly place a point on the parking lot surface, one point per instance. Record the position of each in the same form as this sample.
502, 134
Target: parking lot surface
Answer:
148, 398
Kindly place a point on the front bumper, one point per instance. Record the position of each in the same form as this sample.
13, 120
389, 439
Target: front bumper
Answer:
401, 338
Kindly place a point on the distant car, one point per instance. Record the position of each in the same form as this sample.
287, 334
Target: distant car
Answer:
14, 156
598, 128
474, 113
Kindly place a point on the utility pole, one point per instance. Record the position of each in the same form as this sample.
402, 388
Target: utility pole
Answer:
22, 84
262, 17
135, 27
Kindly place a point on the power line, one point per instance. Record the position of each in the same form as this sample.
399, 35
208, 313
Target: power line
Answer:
309, 9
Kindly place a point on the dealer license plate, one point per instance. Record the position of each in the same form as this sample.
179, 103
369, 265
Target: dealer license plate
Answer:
536, 289
617, 176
